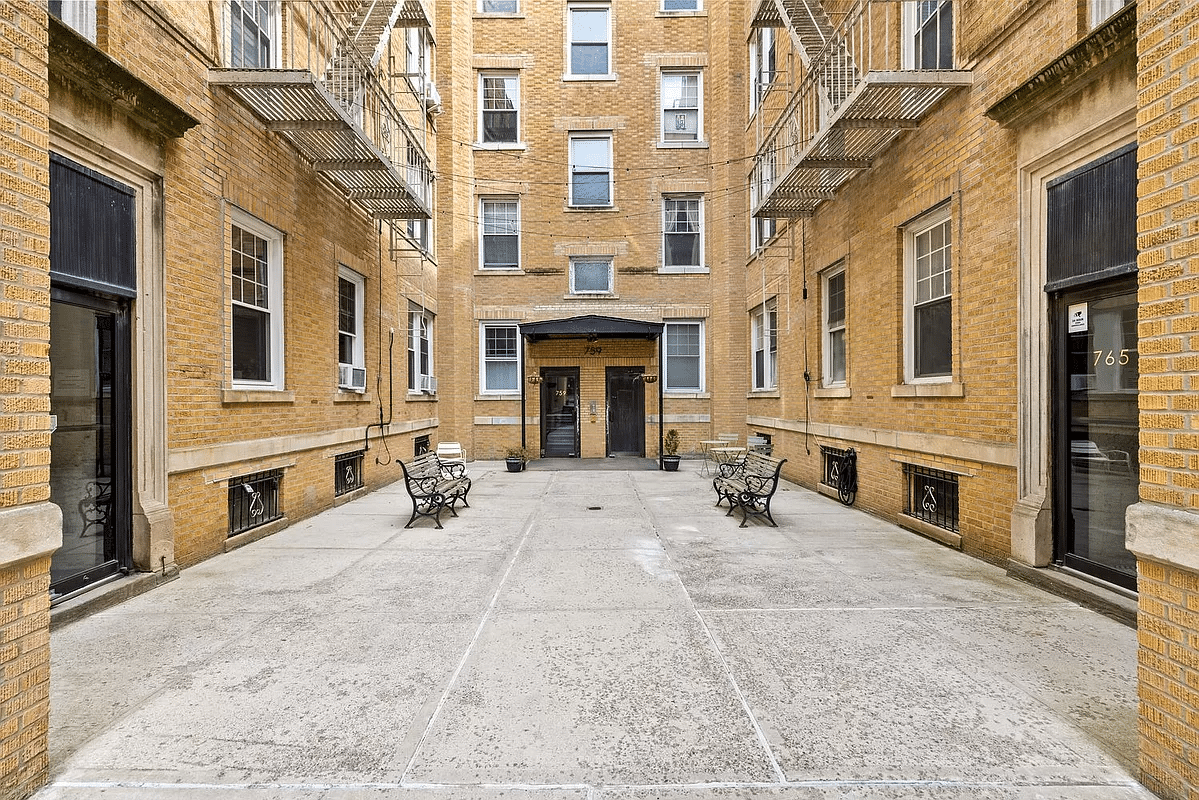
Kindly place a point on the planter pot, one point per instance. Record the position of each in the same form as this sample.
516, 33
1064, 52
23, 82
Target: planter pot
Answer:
514, 464
670, 463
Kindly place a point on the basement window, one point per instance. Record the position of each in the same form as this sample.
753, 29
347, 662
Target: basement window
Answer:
254, 500
932, 496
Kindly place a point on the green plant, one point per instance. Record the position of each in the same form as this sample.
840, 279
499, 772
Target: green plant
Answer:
518, 453
670, 445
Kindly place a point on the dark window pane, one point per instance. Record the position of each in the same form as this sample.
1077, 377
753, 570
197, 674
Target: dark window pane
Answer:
934, 339
251, 344
500, 251
682, 250
591, 189
499, 126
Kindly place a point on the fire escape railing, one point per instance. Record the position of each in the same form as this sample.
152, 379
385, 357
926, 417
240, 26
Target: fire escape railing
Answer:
321, 78
853, 97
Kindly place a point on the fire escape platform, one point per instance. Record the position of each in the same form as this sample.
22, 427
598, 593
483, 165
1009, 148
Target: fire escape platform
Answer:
294, 104
883, 105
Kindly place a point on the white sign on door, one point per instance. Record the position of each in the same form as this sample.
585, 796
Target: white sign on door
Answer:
1077, 314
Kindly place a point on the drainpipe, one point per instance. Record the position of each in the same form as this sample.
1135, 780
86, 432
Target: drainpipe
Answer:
661, 397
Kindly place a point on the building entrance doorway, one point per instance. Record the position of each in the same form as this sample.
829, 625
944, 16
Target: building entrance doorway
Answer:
90, 473
626, 411
560, 413
1096, 433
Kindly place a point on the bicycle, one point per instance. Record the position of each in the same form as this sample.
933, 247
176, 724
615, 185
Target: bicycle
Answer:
844, 473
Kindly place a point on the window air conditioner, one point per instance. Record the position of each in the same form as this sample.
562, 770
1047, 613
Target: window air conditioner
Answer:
432, 98
351, 378
428, 384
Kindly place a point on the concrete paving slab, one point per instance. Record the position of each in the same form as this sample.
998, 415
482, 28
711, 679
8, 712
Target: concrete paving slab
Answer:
593, 579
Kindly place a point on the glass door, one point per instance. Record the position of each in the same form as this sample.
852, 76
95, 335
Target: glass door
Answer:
89, 449
560, 413
1097, 433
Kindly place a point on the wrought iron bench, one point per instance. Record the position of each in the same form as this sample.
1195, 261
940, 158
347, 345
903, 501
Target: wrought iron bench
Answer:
434, 486
749, 484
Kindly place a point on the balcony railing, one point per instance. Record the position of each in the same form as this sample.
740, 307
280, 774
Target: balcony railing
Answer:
318, 73
857, 90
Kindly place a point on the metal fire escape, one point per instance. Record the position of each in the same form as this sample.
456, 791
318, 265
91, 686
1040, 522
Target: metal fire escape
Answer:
845, 111
321, 88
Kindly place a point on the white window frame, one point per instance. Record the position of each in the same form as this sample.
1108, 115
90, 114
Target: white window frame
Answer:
570, 41
420, 329
483, 234
611, 289
358, 347
832, 330
761, 231
273, 33
764, 341
591, 169
274, 297
698, 199
79, 16
667, 384
483, 110
484, 10
940, 217
910, 32
484, 327
762, 71
1103, 10
663, 131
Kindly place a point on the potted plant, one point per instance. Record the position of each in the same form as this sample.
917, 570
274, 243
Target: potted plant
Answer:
670, 451
516, 458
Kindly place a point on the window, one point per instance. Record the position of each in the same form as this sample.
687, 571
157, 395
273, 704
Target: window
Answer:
79, 15
256, 276
680, 5
420, 353
765, 165
252, 33
764, 336
932, 496
682, 233
761, 231
347, 472
501, 234
682, 107
419, 233
254, 500
1103, 10
684, 356
499, 121
834, 327
928, 25
590, 276
589, 32
498, 6
762, 66
591, 170
351, 360
928, 251
500, 367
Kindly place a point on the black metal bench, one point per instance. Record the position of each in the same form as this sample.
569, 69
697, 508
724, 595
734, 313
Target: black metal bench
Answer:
749, 484
434, 486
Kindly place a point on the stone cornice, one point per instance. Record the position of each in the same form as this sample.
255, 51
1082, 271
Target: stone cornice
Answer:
1074, 69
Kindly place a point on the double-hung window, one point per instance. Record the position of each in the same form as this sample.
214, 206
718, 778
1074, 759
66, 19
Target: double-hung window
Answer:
499, 368
500, 220
499, 108
928, 256
589, 33
684, 356
591, 275
682, 107
591, 170
928, 25
682, 233
256, 300
764, 342
834, 326
351, 358
762, 230
253, 34
681, 5
420, 352
1103, 10
79, 15
762, 66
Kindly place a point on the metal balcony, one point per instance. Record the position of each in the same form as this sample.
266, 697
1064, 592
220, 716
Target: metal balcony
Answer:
852, 98
322, 91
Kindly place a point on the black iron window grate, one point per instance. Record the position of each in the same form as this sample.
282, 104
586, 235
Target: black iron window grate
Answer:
932, 496
420, 445
347, 473
832, 465
254, 500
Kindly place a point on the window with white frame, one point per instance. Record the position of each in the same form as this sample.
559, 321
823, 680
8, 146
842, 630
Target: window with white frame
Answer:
498, 6
420, 352
928, 267
589, 34
79, 15
499, 367
499, 108
253, 33
591, 170
500, 220
834, 326
256, 300
682, 233
591, 275
681, 5
684, 350
928, 34
1103, 10
764, 343
682, 107
762, 65
351, 358
762, 230
420, 233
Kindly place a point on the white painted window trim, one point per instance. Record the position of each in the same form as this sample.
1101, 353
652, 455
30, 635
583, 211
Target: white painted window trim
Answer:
699, 108
703, 357
483, 328
274, 240
701, 267
275, 58
359, 348
593, 293
483, 201
420, 328
568, 74
764, 338
827, 330
611, 169
932, 219
479, 140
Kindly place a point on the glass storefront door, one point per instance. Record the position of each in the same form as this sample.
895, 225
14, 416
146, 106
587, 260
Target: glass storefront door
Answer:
560, 413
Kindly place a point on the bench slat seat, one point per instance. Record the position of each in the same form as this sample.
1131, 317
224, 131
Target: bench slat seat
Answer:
434, 486
749, 484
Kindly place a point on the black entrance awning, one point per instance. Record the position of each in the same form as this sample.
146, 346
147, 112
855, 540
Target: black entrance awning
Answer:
591, 327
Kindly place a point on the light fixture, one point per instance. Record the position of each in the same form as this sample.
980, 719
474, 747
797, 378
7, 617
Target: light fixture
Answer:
534, 379
650, 378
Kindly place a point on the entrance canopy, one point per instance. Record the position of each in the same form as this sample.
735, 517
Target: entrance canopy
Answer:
591, 327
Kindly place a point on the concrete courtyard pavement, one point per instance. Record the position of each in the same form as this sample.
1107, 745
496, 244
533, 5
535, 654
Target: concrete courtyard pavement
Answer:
593, 635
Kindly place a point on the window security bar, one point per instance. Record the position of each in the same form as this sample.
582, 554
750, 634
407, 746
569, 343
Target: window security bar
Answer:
254, 500
347, 473
932, 496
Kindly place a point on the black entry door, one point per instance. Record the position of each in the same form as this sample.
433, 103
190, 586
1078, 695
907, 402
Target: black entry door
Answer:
626, 411
1096, 431
560, 413
90, 475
